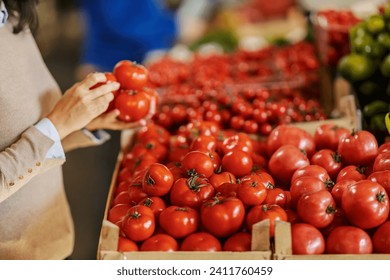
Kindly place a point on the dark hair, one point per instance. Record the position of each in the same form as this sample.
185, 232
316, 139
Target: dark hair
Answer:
26, 13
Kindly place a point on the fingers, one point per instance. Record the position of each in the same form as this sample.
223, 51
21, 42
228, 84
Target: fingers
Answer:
91, 80
104, 89
101, 103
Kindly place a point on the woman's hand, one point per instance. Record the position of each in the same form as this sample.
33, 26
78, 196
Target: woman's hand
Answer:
80, 104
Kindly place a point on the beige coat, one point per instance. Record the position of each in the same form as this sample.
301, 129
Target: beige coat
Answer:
35, 219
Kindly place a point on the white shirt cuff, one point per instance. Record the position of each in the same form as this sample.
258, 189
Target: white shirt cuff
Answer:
97, 137
47, 128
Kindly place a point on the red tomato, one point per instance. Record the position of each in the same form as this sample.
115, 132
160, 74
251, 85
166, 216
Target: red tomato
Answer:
327, 136
348, 240
382, 162
351, 172
160, 151
262, 212
191, 192
130, 75
121, 187
303, 186
276, 196
381, 239
132, 105
222, 216
179, 221
218, 179
365, 204
139, 223
204, 143
317, 208
158, 180
118, 212
385, 147
339, 188
289, 135
160, 242
156, 204
238, 242
201, 241
382, 178
359, 148
237, 162
240, 141
109, 79
153, 131
306, 240
339, 220
197, 163
122, 198
266, 179
329, 160
285, 161
292, 216
251, 190
314, 171
126, 245
228, 189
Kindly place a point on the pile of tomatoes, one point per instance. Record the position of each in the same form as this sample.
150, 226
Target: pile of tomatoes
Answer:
203, 187
134, 99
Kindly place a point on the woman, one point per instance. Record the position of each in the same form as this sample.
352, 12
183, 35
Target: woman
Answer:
37, 125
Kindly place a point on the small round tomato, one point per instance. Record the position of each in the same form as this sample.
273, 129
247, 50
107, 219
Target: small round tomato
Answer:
130, 75
351, 172
382, 178
317, 208
218, 179
191, 192
204, 143
156, 204
262, 212
303, 186
329, 160
197, 163
251, 191
366, 204
285, 161
348, 240
276, 196
160, 242
339, 188
306, 240
222, 216
237, 162
157, 180
153, 146
179, 221
201, 241
382, 162
139, 223
118, 212
126, 245
132, 105
328, 136
240, 141
381, 239
153, 131
359, 148
238, 242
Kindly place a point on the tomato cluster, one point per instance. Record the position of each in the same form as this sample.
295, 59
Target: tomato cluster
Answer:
203, 188
332, 35
134, 99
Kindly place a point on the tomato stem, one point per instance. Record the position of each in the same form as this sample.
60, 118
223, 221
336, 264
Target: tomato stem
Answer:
148, 202
329, 184
150, 180
330, 209
336, 156
381, 196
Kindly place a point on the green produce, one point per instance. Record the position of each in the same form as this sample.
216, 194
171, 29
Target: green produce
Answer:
356, 67
375, 24
375, 107
385, 66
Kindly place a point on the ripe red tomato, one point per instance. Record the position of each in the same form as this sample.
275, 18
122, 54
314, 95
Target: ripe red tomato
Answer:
385, 147
109, 79
329, 160
136, 194
276, 196
317, 208
126, 245
251, 190
156, 204
201, 241
285, 161
153, 131
359, 148
222, 216
204, 143
382, 162
132, 105
160, 242
157, 180
303, 186
139, 223
262, 212
130, 75
218, 179
118, 212
153, 146
191, 192
351, 172
348, 240
315, 171
289, 135
382, 178
381, 239
238, 242
339, 188
266, 179
228, 189
366, 204
122, 198
237, 162
179, 221
197, 163
306, 240
327, 136
240, 141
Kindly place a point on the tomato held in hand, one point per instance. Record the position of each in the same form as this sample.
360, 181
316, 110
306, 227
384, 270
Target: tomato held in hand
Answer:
131, 75
366, 204
201, 241
306, 240
132, 105
160, 242
348, 240
157, 180
139, 223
